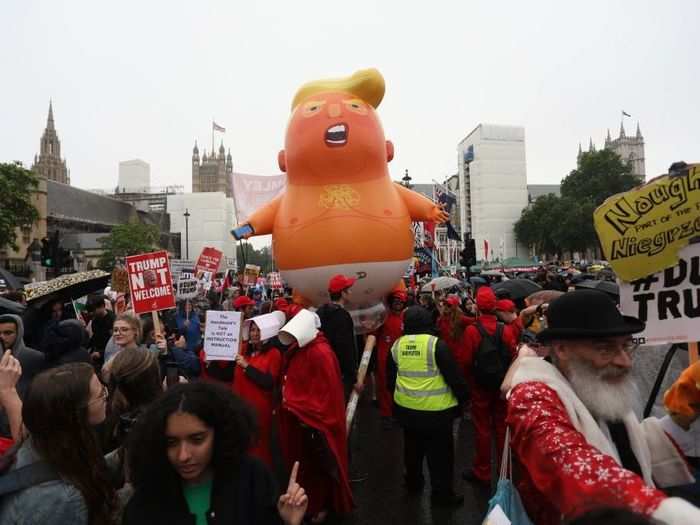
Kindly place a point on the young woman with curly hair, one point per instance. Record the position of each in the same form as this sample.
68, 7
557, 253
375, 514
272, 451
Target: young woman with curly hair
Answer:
60, 409
188, 464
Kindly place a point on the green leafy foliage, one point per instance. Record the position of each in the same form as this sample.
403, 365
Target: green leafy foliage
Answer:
128, 239
246, 254
553, 225
16, 208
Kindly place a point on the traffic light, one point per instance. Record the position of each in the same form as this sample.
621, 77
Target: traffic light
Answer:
467, 257
45, 252
54, 251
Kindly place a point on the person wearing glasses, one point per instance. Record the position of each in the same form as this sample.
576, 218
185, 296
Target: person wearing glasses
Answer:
573, 426
126, 333
65, 477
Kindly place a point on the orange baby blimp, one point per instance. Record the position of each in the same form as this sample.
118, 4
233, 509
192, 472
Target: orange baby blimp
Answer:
341, 212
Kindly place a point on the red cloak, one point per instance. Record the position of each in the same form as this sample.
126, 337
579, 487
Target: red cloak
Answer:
267, 362
389, 332
313, 411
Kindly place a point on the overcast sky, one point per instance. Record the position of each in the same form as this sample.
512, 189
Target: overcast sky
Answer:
143, 79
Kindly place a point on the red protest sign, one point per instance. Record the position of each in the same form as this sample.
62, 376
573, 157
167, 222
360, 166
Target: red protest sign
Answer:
208, 261
150, 282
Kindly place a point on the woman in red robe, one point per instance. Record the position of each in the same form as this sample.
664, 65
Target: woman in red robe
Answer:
256, 376
312, 417
389, 332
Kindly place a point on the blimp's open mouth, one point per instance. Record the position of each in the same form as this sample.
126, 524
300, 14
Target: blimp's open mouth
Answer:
337, 135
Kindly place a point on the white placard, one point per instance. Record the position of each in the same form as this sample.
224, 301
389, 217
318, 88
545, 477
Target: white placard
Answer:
668, 301
186, 288
497, 517
222, 335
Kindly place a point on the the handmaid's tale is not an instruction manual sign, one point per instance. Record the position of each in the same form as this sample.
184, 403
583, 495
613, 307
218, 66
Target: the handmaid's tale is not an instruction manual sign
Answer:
222, 335
668, 301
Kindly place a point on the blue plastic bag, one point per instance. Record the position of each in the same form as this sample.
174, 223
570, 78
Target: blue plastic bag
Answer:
506, 495
509, 500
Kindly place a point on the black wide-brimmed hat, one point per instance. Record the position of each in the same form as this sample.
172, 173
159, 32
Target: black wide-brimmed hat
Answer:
586, 314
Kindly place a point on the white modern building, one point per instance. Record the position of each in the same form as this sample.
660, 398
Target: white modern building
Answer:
211, 219
134, 176
491, 162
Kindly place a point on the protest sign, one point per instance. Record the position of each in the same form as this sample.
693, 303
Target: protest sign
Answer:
250, 275
208, 261
207, 266
253, 191
641, 231
222, 335
150, 282
667, 301
182, 268
275, 280
120, 280
186, 288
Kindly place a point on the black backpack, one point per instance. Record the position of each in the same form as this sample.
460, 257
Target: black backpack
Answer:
492, 359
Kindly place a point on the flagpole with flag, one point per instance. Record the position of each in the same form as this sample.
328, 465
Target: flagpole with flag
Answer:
215, 127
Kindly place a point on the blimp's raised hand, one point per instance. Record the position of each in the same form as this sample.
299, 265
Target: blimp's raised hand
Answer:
439, 215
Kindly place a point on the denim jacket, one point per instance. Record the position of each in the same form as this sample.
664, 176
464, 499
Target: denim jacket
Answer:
48, 503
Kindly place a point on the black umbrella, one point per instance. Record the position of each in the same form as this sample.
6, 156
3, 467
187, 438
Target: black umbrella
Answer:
11, 280
67, 287
517, 288
608, 287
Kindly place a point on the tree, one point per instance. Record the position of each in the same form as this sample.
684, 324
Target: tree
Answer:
17, 185
128, 239
246, 254
599, 175
553, 225
534, 229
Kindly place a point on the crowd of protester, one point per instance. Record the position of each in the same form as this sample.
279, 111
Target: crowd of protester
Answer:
112, 414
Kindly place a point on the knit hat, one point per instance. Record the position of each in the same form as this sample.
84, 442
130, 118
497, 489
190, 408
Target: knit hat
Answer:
486, 299
505, 305
452, 300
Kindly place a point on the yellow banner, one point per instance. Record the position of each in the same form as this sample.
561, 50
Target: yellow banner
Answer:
641, 231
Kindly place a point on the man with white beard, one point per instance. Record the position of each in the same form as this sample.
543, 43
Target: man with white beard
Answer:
573, 426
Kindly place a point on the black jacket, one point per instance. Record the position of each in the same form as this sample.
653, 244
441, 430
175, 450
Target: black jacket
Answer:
247, 498
337, 325
65, 344
417, 320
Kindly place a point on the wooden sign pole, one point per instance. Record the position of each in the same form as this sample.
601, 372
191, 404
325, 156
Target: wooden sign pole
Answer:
364, 363
693, 352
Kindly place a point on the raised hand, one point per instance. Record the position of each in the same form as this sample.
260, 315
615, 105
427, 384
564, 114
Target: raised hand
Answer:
292, 504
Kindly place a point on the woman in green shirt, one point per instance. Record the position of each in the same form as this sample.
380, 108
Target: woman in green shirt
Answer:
189, 464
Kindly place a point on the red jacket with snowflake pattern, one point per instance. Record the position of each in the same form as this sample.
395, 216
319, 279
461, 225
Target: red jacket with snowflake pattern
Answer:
560, 472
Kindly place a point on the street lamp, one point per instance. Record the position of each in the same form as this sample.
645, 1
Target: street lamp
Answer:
187, 233
406, 180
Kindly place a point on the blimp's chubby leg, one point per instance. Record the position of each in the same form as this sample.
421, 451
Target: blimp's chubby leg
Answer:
263, 219
421, 208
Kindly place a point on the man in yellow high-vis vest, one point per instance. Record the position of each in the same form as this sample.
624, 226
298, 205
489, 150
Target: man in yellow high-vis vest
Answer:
428, 390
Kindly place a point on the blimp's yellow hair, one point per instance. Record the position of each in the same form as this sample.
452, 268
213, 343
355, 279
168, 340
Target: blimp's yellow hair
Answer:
365, 84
